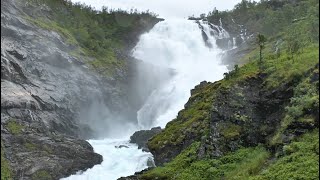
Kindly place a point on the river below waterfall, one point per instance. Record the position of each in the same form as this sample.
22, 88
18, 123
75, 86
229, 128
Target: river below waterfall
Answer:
117, 162
178, 44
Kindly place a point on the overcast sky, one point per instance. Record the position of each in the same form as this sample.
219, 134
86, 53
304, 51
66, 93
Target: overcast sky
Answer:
166, 8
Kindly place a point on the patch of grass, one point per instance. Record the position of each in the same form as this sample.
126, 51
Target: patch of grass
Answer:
53, 26
30, 146
229, 130
37, 147
14, 127
284, 70
41, 175
5, 168
47, 149
182, 161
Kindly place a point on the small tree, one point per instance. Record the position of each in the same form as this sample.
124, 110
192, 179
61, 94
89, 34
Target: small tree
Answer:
236, 68
261, 40
226, 75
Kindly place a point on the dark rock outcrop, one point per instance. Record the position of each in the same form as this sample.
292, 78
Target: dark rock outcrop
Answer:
141, 137
34, 152
135, 176
121, 146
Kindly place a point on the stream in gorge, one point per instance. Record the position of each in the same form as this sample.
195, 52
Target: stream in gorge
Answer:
177, 44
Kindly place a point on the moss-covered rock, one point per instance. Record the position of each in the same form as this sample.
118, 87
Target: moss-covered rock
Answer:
14, 127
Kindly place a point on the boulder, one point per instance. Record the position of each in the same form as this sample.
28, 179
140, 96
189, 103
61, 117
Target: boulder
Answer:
141, 137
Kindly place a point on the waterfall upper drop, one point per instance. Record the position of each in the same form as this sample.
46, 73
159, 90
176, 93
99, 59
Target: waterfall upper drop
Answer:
180, 45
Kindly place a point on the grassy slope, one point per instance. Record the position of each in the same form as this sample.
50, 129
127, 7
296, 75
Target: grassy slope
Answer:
300, 161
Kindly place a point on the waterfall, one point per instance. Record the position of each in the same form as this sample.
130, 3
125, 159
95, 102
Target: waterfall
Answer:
177, 44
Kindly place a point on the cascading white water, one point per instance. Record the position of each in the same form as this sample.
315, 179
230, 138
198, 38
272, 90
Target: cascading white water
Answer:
117, 162
176, 44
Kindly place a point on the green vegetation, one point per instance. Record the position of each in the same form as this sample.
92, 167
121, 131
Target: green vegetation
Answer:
237, 165
5, 168
182, 161
303, 107
271, 17
300, 160
38, 147
229, 130
261, 40
92, 34
14, 127
30, 146
53, 26
41, 175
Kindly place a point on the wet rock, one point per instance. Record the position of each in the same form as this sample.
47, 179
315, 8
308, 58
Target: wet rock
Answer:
150, 163
206, 39
141, 137
224, 43
121, 146
232, 57
135, 176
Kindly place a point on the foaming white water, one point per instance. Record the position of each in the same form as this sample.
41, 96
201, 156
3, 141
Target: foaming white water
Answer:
117, 162
178, 44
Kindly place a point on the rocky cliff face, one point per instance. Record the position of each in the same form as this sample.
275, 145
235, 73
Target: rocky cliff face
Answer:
45, 95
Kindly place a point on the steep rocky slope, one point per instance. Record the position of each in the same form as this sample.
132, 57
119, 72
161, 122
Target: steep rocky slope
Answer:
46, 91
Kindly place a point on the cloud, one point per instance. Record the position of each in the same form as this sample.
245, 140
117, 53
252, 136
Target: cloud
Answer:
165, 8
